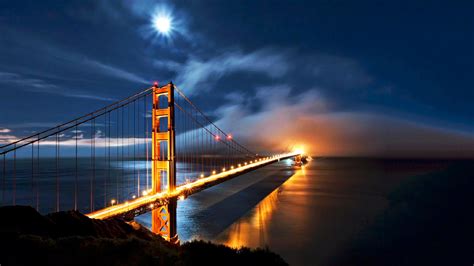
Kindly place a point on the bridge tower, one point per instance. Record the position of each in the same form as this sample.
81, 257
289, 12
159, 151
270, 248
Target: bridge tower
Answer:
163, 158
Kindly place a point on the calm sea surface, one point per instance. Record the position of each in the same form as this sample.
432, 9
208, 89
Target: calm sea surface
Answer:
305, 214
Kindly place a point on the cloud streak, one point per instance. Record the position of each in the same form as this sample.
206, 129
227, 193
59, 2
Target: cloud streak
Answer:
46, 52
305, 120
196, 72
43, 86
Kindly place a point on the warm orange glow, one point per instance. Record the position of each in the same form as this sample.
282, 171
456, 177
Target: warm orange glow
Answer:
253, 230
180, 191
113, 201
202, 175
213, 172
181, 197
299, 150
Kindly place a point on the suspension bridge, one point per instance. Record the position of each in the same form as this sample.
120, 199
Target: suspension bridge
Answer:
137, 155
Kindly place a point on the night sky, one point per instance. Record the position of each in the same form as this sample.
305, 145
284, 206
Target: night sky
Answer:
345, 78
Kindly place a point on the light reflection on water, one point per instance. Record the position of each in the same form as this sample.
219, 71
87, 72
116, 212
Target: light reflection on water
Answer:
207, 213
252, 230
306, 215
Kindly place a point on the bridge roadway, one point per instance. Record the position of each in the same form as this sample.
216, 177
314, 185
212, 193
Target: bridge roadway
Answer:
129, 209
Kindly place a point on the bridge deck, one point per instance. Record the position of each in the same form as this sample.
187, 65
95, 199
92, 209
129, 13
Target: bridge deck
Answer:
130, 209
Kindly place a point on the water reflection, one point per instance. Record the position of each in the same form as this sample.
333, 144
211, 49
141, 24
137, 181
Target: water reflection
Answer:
206, 214
252, 230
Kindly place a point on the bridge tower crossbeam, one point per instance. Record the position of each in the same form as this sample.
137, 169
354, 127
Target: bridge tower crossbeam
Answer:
164, 159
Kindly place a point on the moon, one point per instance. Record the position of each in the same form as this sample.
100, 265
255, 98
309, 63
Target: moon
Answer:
162, 24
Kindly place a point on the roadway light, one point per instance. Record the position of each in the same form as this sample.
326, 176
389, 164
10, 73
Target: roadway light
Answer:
223, 169
232, 167
202, 175
112, 201
213, 172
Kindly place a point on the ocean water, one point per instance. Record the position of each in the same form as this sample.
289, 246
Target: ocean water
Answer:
83, 184
306, 214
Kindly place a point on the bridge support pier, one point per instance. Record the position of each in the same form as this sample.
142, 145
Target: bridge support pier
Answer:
163, 221
164, 159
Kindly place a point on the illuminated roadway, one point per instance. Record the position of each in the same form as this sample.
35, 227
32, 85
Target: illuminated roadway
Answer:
149, 202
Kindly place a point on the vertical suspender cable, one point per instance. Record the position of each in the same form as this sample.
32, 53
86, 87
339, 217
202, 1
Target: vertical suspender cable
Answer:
105, 145
116, 156
38, 175
76, 168
122, 152
14, 176
57, 171
93, 165
138, 151
135, 149
4, 178
32, 196
106, 152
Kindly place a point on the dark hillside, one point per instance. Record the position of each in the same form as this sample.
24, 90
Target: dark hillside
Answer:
71, 238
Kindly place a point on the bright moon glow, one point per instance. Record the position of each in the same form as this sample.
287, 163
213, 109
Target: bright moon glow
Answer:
162, 24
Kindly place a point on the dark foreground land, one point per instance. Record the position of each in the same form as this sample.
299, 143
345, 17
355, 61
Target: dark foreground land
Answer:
430, 221
70, 238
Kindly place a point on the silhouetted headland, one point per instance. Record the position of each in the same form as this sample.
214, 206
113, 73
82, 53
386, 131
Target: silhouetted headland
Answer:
71, 238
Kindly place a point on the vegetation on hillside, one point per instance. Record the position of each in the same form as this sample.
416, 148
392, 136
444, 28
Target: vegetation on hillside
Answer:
70, 238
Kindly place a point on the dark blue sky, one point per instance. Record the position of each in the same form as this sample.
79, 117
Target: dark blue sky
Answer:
367, 64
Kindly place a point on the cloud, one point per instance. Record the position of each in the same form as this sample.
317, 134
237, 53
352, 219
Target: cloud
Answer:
196, 72
5, 130
338, 76
114, 71
42, 86
42, 52
305, 119
5, 139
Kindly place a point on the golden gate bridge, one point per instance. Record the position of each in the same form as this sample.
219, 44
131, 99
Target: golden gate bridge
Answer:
137, 155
